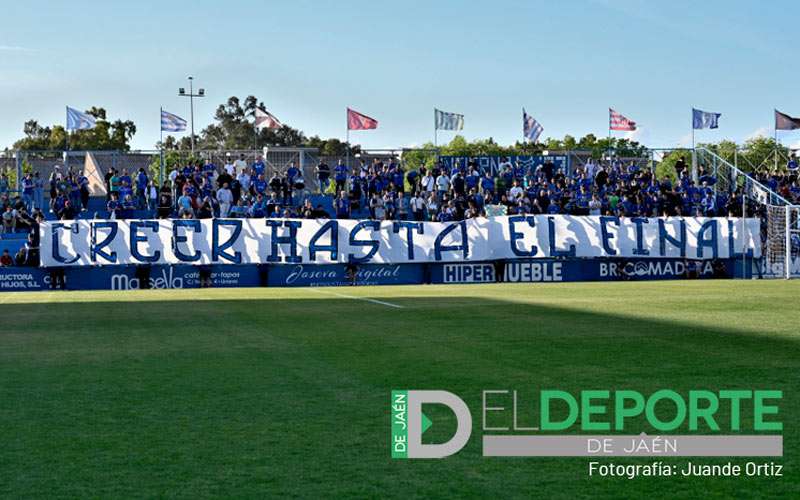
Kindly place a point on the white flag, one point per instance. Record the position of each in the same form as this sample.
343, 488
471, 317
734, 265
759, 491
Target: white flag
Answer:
447, 121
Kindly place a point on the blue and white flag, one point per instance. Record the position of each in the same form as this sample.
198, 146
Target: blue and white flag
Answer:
172, 123
448, 121
704, 119
531, 129
78, 120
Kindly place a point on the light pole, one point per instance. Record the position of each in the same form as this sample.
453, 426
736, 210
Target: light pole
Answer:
191, 95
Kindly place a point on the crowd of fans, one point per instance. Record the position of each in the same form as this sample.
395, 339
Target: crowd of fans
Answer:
464, 191
382, 190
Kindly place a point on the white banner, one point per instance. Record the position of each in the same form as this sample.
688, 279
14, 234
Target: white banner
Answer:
290, 241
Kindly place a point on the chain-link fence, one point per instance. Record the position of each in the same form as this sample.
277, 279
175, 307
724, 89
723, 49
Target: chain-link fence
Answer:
278, 160
44, 163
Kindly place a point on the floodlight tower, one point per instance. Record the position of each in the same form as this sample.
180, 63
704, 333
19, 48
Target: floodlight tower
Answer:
191, 95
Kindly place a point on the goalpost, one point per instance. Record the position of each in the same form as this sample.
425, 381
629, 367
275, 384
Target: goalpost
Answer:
782, 245
780, 219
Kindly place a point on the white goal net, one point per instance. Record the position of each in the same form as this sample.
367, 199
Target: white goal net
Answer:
782, 242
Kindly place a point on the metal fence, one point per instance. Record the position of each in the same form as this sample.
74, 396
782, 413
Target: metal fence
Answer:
278, 159
45, 163
730, 178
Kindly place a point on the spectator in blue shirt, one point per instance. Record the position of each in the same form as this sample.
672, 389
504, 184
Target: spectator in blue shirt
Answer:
340, 176
273, 206
487, 184
141, 188
342, 206
259, 208
125, 177
38, 191
260, 185
293, 181
258, 167
27, 191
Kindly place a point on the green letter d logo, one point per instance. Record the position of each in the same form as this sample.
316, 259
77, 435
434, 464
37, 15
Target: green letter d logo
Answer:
417, 423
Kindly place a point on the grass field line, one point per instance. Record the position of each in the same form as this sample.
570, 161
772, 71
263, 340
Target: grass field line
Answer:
354, 297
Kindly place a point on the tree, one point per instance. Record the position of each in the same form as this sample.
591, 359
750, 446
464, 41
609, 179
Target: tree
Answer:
331, 147
104, 136
234, 128
666, 167
758, 153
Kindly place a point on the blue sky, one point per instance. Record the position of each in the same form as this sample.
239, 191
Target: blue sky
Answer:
566, 62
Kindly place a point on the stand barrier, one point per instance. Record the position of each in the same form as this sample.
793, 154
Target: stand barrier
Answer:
300, 275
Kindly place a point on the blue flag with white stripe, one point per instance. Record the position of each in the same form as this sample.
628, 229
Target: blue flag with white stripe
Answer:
704, 119
172, 123
531, 129
78, 120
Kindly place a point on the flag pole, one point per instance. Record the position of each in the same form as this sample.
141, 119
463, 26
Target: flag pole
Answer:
255, 135
347, 141
608, 151
776, 148
66, 146
161, 144
435, 131
694, 155
744, 215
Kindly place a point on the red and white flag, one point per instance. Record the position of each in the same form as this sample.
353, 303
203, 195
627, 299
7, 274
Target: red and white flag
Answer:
357, 121
618, 122
265, 119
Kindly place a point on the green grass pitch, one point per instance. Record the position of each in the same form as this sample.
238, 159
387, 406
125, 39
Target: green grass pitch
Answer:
285, 392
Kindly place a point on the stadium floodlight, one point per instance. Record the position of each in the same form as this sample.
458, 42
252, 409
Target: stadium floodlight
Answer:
191, 95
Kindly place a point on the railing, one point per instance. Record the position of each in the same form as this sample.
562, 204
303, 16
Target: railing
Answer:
729, 178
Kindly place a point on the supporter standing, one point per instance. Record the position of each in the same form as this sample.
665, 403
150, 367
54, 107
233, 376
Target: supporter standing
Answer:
340, 176
323, 175
38, 191
417, 206
342, 206
229, 168
240, 165
428, 182
27, 191
165, 201
442, 184
225, 199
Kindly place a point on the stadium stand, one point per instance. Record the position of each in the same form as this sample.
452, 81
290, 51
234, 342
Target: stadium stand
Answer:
374, 188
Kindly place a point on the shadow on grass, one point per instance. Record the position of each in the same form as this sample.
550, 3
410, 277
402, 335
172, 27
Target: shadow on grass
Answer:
291, 396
